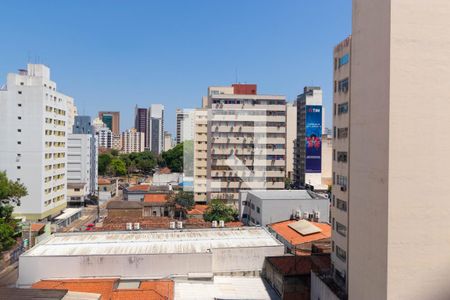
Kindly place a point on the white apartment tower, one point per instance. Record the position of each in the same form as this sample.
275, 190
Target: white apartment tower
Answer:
34, 145
132, 141
185, 125
105, 137
155, 128
79, 168
246, 141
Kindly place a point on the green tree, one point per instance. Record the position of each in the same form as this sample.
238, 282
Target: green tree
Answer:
174, 158
217, 210
104, 161
117, 167
10, 191
184, 199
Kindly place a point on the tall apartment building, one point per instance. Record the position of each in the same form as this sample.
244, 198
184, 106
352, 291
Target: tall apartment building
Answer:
34, 136
185, 125
398, 161
155, 128
246, 141
291, 136
140, 122
200, 159
105, 137
168, 141
112, 120
83, 125
79, 168
132, 141
308, 147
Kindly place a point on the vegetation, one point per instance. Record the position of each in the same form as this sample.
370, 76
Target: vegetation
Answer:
10, 192
114, 164
217, 210
184, 199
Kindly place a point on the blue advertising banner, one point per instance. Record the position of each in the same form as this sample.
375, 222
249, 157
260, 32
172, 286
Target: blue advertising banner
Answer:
313, 132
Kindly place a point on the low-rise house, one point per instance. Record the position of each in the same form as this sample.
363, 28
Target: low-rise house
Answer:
298, 236
107, 188
130, 209
138, 192
197, 211
171, 179
158, 205
262, 207
290, 275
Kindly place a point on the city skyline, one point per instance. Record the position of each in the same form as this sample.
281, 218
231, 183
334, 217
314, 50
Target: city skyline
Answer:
122, 56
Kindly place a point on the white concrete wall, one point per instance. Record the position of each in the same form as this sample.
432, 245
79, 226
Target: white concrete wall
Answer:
319, 290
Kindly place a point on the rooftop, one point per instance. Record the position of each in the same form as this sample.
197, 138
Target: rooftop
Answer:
285, 194
151, 242
155, 198
110, 289
198, 209
294, 237
139, 187
289, 265
120, 204
103, 181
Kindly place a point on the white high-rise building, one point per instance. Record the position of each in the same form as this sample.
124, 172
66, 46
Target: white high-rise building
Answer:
185, 125
168, 141
155, 131
105, 137
79, 168
34, 140
132, 141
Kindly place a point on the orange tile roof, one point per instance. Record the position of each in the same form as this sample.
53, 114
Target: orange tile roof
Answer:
295, 238
164, 170
198, 209
140, 187
155, 198
103, 181
151, 290
37, 227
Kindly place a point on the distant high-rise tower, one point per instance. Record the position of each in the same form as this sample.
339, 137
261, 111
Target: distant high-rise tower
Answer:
140, 122
112, 120
155, 128
185, 125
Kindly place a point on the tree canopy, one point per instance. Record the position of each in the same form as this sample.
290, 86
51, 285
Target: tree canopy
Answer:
184, 199
217, 210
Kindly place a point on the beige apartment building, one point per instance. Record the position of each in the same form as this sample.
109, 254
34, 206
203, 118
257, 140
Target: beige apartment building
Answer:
291, 135
200, 154
246, 141
132, 141
398, 159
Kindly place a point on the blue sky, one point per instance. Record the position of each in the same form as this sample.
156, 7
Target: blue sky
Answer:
112, 55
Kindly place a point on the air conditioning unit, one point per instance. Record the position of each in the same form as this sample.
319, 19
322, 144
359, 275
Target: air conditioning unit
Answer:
317, 215
180, 225
221, 223
305, 215
298, 214
214, 224
172, 225
137, 226
129, 226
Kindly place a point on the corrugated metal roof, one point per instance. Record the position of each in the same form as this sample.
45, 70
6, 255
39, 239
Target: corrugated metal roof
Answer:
151, 242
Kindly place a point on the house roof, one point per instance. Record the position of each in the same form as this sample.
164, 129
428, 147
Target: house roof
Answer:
139, 188
289, 265
103, 181
198, 209
155, 198
119, 204
295, 238
108, 288
37, 227
28, 294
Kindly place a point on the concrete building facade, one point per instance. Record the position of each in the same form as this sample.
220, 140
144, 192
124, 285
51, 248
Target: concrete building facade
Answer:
185, 125
34, 147
308, 147
140, 122
132, 141
79, 168
246, 141
291, 136
168, 141
155, 128
111, 120
200, 165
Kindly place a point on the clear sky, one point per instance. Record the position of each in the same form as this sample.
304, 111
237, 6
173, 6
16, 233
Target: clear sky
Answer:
112, 55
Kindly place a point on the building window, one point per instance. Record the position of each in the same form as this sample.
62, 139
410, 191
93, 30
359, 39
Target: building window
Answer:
342, 108
20, 118
19, 130
343, 85
334, 154
344, 60
76, 190
341, 229
341, 156
19, 167
19, 104
19, 143
341, 204
342, 133
21, 83
340, 253
334, 132
334, 109
258, 210
19, 92
253, 206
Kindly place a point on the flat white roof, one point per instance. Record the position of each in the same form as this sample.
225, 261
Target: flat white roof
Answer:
285, 195
67, 213
225, 287
151, 242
